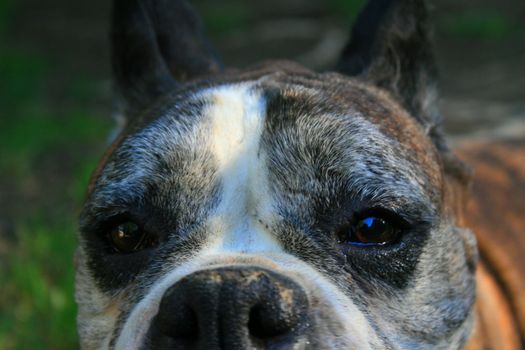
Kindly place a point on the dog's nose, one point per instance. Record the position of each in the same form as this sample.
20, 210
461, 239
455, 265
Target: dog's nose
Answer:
231, 308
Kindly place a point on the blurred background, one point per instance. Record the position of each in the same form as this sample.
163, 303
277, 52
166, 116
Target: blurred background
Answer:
56, 107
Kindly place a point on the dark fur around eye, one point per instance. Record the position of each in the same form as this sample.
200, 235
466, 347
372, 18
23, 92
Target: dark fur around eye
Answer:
387, 248
119, 246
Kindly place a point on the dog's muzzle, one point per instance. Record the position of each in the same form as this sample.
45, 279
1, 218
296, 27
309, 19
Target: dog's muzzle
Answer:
231, 308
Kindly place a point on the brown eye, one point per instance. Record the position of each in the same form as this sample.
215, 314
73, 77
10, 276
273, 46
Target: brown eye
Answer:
369, 231
127, 237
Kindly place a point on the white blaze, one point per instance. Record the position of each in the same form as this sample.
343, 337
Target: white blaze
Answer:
237, 116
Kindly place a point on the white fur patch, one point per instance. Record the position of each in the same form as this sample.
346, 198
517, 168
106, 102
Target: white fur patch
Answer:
237, 116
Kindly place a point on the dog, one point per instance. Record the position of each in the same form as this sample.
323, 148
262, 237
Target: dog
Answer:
274, 207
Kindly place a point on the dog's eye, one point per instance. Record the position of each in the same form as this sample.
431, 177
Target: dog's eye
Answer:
127, 237
369, 231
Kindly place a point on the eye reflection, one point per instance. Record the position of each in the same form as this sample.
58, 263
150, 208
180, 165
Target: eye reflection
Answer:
369, 231
127, 237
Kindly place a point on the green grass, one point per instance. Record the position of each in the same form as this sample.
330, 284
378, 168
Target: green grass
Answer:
37, 309
36, 297
6, 9
481, 24
346, 10
221, 18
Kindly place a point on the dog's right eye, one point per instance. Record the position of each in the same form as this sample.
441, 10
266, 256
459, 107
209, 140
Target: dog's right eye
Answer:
374, 227
127, 237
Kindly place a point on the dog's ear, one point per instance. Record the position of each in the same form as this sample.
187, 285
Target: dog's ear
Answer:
156, 44
390, 48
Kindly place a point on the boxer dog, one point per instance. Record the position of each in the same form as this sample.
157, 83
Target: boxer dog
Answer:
274, 207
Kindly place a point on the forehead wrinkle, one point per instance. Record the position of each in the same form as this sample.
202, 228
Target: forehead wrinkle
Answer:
134, 164
378, 168
392, 120
315, 147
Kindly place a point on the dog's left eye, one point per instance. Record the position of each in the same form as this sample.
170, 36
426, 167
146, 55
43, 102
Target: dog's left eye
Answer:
369, 231
127, 237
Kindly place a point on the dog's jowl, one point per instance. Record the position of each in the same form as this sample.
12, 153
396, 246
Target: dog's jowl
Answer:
274, 207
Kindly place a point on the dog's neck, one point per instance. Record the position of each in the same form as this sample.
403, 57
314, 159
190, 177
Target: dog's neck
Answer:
500, 278
495, 326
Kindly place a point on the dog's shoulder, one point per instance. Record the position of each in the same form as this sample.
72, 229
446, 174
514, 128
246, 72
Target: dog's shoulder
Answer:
495, 213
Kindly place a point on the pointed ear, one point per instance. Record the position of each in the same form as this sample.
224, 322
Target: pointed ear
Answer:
390, 48
155, 45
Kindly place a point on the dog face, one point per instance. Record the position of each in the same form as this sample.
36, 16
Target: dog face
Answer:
272, 207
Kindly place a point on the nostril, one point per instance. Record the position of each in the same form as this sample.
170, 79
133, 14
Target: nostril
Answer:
178, 320
272, 319
261, 326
